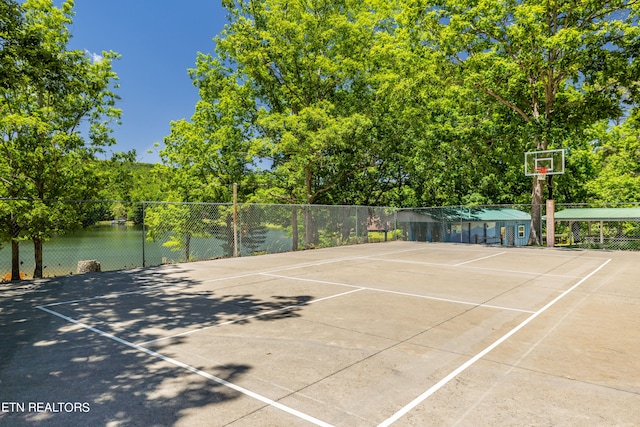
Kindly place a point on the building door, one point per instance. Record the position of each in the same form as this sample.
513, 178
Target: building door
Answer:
508, 235
435, 232
511, 235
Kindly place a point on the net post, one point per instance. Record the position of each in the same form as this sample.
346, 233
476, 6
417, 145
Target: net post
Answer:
551, 225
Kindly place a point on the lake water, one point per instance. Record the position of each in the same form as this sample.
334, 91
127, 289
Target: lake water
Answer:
119, 247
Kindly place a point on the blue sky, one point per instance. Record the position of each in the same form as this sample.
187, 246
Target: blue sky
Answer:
158, 41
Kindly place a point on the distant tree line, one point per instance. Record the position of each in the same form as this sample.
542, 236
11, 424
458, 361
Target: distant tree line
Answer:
376, 102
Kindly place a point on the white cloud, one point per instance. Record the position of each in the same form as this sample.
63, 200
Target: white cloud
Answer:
94, 56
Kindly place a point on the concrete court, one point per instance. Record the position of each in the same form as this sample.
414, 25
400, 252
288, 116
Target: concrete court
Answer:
398, 333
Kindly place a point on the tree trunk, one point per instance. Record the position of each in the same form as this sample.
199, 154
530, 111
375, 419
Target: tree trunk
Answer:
15, 260
308, 227
538, 184
308, 217
37, 251
187, 246
536, 211
230, 234
15, 250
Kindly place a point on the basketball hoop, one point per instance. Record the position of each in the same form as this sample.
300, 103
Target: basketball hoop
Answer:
544, 163
541, 173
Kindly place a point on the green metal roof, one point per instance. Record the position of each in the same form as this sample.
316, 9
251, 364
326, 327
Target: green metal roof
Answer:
598, 214
483, 214
502, 214
457, 214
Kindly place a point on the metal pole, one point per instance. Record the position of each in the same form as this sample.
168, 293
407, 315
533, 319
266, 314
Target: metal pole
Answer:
144, 260
235, 219
395, 225
357, 220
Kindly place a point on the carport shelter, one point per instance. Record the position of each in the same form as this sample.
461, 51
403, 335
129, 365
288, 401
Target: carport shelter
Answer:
600, 216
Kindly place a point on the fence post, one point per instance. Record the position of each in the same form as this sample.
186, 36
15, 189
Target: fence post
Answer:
235, 219
357, 221
395, 225
143, 237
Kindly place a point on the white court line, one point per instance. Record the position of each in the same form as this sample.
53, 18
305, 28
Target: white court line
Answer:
483, 353
351, 258
532, 273
330, 261
152, 288
453, 246
478, 259
230, 322
161, 287
399, 293
196, 371
542, 252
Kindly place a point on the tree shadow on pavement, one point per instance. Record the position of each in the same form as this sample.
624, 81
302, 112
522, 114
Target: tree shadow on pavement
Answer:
97, 380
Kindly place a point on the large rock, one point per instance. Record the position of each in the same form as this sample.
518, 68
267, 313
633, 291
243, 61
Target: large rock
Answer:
89, 266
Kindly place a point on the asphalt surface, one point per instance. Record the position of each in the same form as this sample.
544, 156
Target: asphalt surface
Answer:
398, 333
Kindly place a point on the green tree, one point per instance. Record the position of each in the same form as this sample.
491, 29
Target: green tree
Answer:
555, 65
309, 66
253, 231
212, 151
205, 156
49, 94
618, 158
117, 176
176, 224
13, 45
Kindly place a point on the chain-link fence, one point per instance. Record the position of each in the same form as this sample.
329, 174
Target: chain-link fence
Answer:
188, 232
127, 235
123, 235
